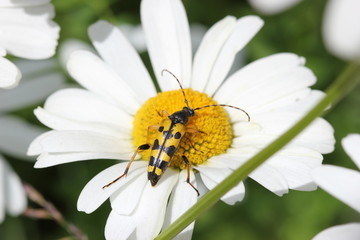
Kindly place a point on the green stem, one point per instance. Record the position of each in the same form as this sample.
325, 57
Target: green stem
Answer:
343, 84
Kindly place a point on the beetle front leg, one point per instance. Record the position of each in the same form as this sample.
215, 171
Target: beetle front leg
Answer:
139, 149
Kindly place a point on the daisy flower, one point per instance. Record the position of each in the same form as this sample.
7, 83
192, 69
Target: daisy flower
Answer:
340, 31
109, 119
343, 184
26, 31
16, 134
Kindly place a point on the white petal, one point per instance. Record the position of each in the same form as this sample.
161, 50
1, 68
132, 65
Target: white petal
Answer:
21, 3
2, 52
245, 128
208, 51
30, 92
150, 220
272, 6
168, 39
181, 199
296, 169
147, 220
351, 145
342, 183
16, 201
116, 51
349, 231
60, 123
245, 29
227, 160
83, 106
9, 74
119, 227
341, 30
95, 75
126, 198
212, 176
301, 101
318, 136
262, 94
29, 32
35, 147
17, 135
83, 141
270, 178
52, 159
93, 194
256, 72
70, 45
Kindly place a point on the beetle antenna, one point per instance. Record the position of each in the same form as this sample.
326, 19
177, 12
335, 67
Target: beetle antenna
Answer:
223, 105
182, 89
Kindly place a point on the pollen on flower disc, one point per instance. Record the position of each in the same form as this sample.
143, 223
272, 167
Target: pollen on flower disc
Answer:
213, 122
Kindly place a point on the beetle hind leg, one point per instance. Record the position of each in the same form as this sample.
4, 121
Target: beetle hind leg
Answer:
188, 165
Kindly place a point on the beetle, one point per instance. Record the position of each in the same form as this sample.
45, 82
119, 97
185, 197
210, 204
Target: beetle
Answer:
170, 132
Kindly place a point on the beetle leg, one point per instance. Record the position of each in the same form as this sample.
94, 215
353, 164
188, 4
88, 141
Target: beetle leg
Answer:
139, 149
192, 128
151, 128
188, 165
163, 113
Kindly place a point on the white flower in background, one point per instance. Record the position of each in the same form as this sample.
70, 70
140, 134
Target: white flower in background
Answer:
272, 6
343, 184
12, 194
341, 31
26, 31
40, 80
110, 118
15, 133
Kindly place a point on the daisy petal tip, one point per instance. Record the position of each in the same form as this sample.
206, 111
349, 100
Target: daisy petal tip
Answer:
34, 148
41, 163
351, 144
10, 74
99, 30
281, 192
38, 165
233, 199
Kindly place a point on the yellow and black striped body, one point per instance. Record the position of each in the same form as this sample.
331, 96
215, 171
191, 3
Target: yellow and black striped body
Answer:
165, 145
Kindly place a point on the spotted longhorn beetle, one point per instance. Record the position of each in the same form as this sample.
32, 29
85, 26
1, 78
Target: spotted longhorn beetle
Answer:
170, 132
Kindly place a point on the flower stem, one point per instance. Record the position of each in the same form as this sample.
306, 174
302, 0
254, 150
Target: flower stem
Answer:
49, 211
342, 85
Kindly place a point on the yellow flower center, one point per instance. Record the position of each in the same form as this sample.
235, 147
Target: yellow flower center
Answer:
215, 133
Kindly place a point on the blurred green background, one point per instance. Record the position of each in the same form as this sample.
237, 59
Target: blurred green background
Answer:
262, 215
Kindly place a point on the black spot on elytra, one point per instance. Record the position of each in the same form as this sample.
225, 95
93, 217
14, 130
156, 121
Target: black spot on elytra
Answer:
161, 129
177, 135
170, 150
156, 145
163, 165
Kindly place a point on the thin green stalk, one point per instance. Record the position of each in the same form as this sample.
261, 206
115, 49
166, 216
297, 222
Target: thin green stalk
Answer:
343, 84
